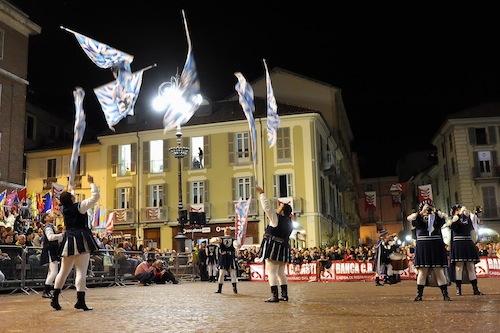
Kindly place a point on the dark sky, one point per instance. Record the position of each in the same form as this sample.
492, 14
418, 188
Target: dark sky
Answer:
401, 70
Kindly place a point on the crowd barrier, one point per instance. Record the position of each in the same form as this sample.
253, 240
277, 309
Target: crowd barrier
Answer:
343, 271
23, 271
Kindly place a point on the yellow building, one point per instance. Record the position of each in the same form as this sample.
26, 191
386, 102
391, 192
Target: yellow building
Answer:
310, 167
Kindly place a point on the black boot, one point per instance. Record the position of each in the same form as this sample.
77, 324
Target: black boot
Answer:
274, 298
284, 293
420, 292
80, 304
475, 288
46, 291
235, 290
459, 287
377, 282
444, 291
219, 291
55, 299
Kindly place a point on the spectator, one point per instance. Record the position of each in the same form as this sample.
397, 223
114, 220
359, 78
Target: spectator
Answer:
162, 273
144, 272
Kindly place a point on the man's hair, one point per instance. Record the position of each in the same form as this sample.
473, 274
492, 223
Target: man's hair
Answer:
66, 199
287, 209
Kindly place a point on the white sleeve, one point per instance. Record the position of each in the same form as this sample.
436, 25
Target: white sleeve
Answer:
90, 202
51, 236
271, 214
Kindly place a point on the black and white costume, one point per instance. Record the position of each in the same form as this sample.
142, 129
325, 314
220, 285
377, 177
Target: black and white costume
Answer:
430, 250
275, 247
228, 247
463, 251
50, 253
212, 253
382, 251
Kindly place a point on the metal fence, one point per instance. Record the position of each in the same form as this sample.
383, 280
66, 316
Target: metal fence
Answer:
23, 271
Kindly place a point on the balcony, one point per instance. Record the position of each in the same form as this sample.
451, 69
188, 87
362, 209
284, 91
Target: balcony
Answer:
124, 216
123, 169
252, 211
203, 207
154, 214
47, 183
77, 182
479, 175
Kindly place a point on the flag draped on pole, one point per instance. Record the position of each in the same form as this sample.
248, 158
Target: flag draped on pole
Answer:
46, 200
96, 216
22, 195
110, 222
425, 193
396, 191
178, 115
245, 93
273, 120
241, 216
3, 195
57, 189
370, 200
79, 131
11, 199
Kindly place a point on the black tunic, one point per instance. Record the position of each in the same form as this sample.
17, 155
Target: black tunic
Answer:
462, 247
78, 237
430, 250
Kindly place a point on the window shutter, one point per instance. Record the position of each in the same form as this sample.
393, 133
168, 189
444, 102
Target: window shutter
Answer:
233, 190
65, 165
114, 161
166, 155
472, 135
275, 186
205, 195
230, 148
165, 195
252, 187
58, 167
186, 161
83, 164
133, 158
115, 199
206, 151
146, 159
42, 168
188, 193
492, 134
132, 197
149, 203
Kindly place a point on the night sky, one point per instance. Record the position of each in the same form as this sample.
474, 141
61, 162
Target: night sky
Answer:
402, 71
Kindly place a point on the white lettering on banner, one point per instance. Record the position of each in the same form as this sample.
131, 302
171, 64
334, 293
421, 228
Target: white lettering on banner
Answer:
493, 263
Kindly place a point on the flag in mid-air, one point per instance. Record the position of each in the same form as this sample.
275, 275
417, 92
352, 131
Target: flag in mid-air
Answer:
80, 124
245, 93
189, 87
273, 121
241, 216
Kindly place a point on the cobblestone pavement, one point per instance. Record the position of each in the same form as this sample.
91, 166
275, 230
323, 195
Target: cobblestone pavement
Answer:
313, 307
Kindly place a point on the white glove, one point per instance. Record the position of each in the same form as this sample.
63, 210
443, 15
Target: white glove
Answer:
424, 209
442, 215
411, 217
454, 219
462, 210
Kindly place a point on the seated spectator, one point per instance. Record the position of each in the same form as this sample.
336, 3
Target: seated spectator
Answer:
163, 274
144, 272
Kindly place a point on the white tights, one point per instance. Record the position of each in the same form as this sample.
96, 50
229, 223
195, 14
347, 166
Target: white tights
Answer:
459, 269
52, 272
232, 273
440, 275
81, 263
276, 272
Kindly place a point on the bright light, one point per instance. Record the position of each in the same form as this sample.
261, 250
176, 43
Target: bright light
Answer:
160, 103
408, 238
295, 224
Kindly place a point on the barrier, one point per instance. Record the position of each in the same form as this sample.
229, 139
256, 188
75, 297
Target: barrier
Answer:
23, 271
345, 271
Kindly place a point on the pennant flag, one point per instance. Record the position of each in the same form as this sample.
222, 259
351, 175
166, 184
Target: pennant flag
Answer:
57, 189
189, 87
22, 195
33, 203
96, 216
79, 131
396, 191
245, 93
110, 222
46, 202
273, 120
102, 219
425, 193
3, 195
241, 216
370, 200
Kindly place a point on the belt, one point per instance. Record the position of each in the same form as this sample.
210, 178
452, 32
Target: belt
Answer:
227, 252
274, 238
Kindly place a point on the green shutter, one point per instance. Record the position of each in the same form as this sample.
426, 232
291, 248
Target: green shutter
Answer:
230, 148
146, 159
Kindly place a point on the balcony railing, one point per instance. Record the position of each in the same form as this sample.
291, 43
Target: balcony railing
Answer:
124, 216
47, 183
252, 211
203, 207
77, 182
154, 214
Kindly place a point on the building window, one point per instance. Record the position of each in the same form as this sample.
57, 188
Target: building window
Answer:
243, 188
51, 168
283, 145
196, 152
243, 147
490, 209
155, 194
283, 185
453, 171
30, 127
481, 137
52, 131
484, 161
371, 215
451, 142
123, 159
123, 198
156, 156
197, 192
